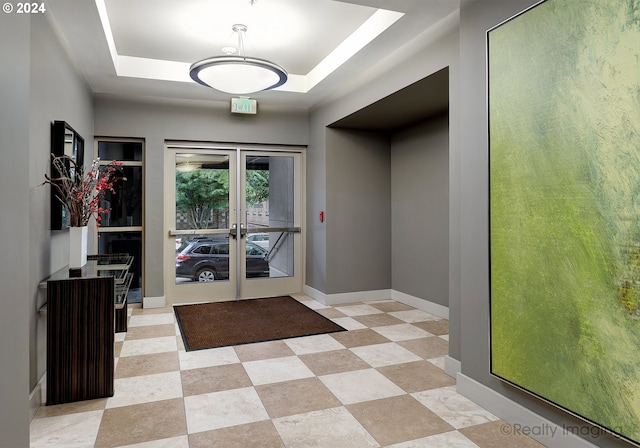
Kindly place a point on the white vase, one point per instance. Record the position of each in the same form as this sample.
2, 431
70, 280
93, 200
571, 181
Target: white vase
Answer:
77, 247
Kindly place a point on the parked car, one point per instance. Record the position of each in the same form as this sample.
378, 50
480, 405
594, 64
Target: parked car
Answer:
208, 260
261, 239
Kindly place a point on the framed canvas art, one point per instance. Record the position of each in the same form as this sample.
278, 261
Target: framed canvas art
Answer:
564, 190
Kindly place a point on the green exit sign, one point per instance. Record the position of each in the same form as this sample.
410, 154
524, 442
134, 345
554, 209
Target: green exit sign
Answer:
244, 106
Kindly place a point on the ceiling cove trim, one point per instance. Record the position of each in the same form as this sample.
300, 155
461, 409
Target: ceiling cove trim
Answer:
136, 67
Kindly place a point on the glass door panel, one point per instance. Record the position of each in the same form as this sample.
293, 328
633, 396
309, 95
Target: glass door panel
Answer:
271, 211
199, 218
202, 205
220, 248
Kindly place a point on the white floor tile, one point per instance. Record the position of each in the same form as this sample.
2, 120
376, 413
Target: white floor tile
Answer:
452, 407
387, 354
334, 427
223, 409
145, 389
149, 346
348, 323
276, 370
401, 332
313, 344
207, 358
360, 385
358, 310
69, 431
142, 320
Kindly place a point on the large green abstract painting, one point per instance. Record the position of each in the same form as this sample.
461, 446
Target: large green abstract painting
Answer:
564, 139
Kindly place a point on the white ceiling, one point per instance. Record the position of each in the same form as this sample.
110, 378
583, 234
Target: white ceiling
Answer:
143, 48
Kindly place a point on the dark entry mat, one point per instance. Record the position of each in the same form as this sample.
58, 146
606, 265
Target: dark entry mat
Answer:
220, 324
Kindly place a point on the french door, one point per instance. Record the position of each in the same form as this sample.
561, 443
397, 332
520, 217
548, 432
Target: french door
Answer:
233, 222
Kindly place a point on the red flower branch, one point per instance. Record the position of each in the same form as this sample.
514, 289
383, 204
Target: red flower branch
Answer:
81, 193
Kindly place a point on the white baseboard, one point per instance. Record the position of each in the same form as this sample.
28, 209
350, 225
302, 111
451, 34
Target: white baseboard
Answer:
358, 296
452, 366
381, 294
153, 302
37, 396
521, 418
421, 304
315, 294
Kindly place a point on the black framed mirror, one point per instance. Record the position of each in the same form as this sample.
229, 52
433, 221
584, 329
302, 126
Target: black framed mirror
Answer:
64, 141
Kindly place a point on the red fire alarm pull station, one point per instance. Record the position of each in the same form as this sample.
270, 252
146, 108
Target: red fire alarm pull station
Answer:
321, 216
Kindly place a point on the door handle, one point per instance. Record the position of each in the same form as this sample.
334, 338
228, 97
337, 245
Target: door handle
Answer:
233, 231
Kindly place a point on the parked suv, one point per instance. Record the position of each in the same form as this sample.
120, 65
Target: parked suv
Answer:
208, 260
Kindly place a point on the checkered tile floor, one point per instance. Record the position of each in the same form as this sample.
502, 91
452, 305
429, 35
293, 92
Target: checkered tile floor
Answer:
380, 384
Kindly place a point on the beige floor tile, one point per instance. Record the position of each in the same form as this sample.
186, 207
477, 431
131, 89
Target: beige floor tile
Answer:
379, 355
141, 423
390, 306
252, 435
357, 338
170, 442
417, 376
330, 313
223, 409
378, 320
498, 434
147, 364
414, 315
333, 362
397, 419
214, 379
330, 428
437, 327
296, 397
150, 331
361, 385
427, 348
263, 350
451, 439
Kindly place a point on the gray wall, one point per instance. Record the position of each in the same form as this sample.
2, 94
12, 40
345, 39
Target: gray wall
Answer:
435, 49
476, 17
211, 123
14, 235
71, 101
39, 85
420, 211
358, 213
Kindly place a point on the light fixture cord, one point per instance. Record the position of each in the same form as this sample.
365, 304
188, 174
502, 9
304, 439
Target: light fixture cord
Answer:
241, 44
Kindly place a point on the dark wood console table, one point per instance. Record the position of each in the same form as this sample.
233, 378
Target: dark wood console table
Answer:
83, 314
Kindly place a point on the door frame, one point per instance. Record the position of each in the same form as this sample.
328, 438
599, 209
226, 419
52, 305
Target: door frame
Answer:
237, 287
